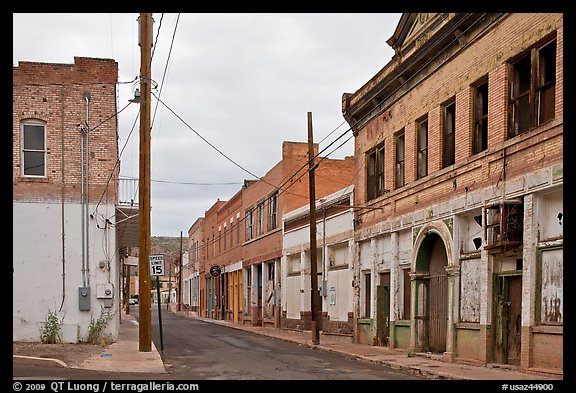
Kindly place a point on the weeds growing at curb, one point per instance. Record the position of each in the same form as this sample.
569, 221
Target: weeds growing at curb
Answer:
97, 326
51, 329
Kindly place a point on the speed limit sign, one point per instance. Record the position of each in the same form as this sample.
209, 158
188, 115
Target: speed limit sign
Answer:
156, 264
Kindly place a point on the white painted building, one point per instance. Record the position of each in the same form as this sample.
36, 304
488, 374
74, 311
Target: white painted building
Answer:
335, 234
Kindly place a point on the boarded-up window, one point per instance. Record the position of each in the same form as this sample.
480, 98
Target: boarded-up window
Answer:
470, 290
367, 294
551, 287
338, 255
406, 294
293, 263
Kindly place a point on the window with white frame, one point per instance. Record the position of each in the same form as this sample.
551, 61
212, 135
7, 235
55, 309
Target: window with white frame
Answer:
33, 159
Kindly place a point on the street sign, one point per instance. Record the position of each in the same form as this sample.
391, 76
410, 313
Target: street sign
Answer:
215, 271
156, 264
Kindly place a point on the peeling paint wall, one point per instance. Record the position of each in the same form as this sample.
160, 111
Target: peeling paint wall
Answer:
470, 290
552, 297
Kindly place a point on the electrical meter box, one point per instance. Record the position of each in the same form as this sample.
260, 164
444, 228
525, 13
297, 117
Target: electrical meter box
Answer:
84, 298
104, 291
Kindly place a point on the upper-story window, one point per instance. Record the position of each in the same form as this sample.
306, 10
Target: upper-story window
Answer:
33, 149
273, 211
375, 180
448, 131
532, 89
480, 113
249, 224
260, 209
399, 169
422, 148
225, 236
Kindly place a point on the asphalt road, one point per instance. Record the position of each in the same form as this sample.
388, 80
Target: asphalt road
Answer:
195, 349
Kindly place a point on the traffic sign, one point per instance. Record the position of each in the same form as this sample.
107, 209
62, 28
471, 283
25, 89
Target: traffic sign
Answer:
156, 264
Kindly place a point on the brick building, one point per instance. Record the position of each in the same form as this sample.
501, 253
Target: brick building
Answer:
458, 144
194, 269
243, 236
64, 184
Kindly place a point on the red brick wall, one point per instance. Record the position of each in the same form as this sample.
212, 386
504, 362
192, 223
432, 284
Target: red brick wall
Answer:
55, 94
488, 55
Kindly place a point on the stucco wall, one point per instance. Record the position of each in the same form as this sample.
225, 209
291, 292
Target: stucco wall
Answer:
38, 285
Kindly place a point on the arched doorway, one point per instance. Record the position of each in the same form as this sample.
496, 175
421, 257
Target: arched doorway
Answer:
432, 294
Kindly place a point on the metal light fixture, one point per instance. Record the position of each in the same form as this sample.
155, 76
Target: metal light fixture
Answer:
136, 99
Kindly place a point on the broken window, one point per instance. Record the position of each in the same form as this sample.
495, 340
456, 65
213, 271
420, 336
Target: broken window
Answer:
33, 149
375, 180
399, 172
448, 130
504, 225
480, 127
532, 89
422, 146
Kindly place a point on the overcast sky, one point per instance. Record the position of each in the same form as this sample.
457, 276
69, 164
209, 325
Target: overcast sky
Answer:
242, 82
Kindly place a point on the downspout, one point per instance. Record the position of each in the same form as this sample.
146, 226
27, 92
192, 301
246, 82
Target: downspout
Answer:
62, 220
82, 198
87, 206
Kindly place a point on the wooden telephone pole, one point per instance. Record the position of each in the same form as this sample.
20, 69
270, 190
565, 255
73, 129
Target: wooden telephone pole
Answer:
314, 295
144, 291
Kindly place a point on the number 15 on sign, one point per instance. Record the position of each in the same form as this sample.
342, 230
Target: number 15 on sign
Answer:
156, 264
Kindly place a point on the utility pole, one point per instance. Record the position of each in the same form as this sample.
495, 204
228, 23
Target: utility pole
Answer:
144, 290
315, 295
180, 277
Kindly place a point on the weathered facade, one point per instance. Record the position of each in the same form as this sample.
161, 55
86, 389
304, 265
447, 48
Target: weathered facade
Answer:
194, 284
458, 146
335, 265
243, 236
65, 190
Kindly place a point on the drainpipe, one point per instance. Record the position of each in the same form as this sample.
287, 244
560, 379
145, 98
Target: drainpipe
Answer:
62, 220
87, 207
82, 131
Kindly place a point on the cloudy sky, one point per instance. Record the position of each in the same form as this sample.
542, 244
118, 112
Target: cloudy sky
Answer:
232, 88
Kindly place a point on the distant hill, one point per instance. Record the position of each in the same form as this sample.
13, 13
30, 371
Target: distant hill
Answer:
169, 247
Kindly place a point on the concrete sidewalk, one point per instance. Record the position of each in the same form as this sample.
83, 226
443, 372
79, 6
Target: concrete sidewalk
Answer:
124, 355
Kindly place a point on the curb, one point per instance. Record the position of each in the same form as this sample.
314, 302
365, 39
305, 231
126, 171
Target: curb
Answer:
60, 362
